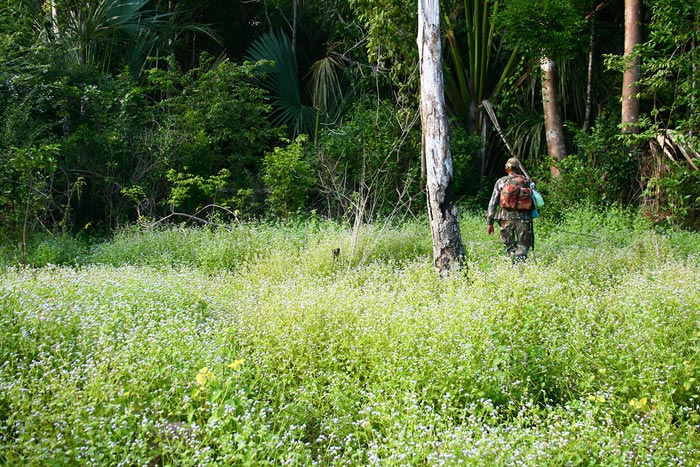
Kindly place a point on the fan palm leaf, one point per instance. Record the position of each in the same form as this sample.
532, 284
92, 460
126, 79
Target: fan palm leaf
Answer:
274, 50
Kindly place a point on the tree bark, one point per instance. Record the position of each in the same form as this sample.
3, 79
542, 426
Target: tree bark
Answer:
553, 119
589, 79
630, 78
448, 251
54, 20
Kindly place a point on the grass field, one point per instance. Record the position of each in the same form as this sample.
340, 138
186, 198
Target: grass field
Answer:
251, 345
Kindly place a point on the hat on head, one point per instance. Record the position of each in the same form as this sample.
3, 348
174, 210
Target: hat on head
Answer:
513, 163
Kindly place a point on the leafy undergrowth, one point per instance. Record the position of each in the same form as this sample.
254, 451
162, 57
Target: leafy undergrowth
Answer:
255, 346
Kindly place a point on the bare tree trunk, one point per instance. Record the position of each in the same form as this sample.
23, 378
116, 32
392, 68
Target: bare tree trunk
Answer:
553, 119
54, 20
448, 251
589, 79
630, 78
693, 85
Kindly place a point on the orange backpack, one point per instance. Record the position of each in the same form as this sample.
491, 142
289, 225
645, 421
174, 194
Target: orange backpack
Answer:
516, 194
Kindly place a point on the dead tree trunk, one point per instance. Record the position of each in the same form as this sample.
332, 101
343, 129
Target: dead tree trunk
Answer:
448, 251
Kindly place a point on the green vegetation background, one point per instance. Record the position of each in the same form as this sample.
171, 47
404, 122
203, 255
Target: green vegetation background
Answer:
250, 345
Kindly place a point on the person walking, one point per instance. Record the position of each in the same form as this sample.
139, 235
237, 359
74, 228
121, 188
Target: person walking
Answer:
511, 207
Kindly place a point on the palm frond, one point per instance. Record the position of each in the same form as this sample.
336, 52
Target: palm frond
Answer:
330, 89
481, 67
325, 81
119, 12
525, 133
274, 50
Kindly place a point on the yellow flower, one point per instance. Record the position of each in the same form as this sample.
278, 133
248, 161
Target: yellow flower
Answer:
236, 364
640, 404
204, 376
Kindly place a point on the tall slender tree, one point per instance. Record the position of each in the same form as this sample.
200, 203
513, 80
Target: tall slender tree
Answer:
547, 31
553, 115
631, 75
448, 251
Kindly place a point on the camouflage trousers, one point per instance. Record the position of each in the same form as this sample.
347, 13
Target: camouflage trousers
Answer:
517, 237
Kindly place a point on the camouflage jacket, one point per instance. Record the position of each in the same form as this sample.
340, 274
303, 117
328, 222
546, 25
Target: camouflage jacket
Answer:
495, 212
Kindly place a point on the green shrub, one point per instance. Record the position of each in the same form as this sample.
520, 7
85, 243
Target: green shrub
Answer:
676, 197
56, 249
288, 175
213, 118
464, 148
189, 191
25, 198
370, 164
600, 171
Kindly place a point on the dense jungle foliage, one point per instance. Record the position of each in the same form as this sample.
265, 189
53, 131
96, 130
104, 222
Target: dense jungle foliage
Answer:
113, 112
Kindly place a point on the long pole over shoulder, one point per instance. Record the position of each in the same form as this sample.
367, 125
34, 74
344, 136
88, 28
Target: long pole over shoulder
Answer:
492, 115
